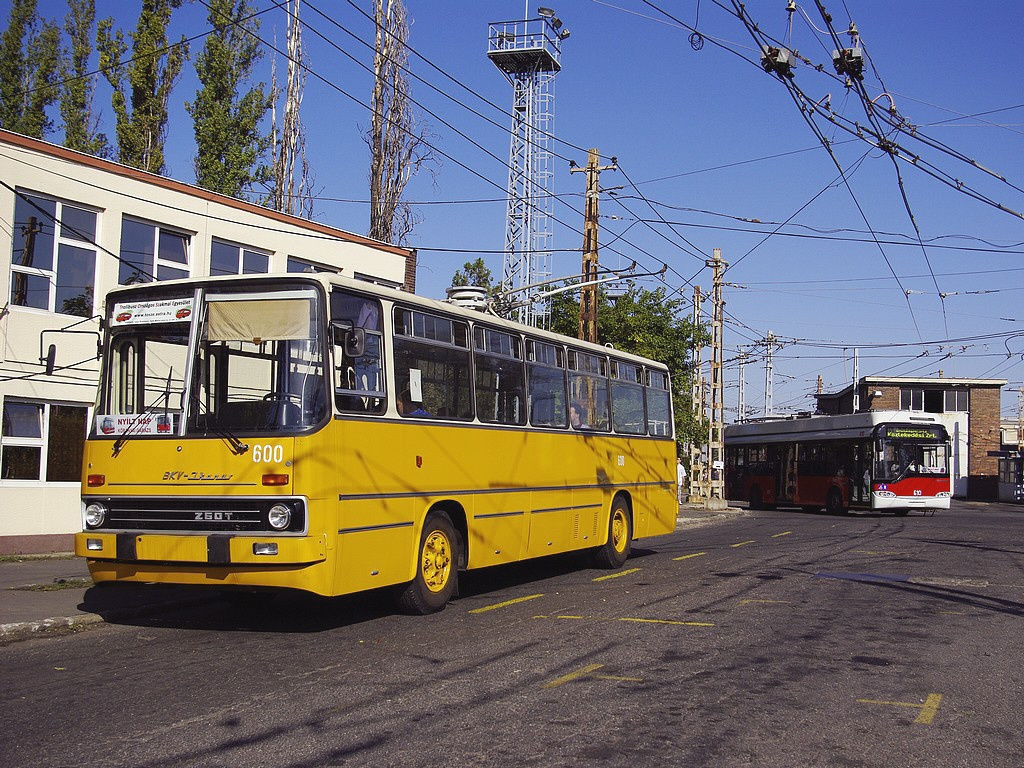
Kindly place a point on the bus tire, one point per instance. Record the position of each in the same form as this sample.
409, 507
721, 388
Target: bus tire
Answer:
902, 512
755, 498
436, 568
834, 502
614, 552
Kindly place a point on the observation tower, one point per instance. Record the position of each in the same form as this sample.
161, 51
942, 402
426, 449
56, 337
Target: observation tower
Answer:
528, 53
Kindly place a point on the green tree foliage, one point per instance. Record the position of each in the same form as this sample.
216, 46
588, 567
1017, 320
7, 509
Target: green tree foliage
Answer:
142, 85
80, 123
474, 273
227, 123
645, 323
29, 60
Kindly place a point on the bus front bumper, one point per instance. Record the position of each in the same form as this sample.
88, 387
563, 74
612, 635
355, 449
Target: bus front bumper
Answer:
197, 549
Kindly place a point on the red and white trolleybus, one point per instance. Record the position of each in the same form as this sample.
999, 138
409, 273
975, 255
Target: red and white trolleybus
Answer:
891, 461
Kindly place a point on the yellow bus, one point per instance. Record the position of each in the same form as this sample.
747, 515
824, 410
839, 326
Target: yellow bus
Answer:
324, 434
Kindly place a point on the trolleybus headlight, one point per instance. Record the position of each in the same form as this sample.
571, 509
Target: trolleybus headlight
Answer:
943, 494
886, 494
95, 514
279, 517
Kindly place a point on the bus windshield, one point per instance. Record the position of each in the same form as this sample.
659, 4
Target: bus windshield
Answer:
242, 363
899, 458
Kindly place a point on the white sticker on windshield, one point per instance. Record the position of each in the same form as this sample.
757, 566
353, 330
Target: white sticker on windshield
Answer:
163, 311
136, 424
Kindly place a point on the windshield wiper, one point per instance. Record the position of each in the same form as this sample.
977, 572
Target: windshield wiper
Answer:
237, 446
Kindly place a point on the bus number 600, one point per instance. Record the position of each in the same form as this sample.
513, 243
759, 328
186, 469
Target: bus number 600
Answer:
268, 453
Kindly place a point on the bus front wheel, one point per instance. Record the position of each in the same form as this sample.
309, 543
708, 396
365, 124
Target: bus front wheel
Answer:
436, 568
834, 503
614, 552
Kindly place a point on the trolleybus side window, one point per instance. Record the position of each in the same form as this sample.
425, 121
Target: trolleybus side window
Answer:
546, 371
588, 388
432, 367
500, 382
659, 410
358, 353
628, 398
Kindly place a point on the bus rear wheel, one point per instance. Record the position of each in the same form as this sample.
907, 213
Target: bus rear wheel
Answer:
614, 552
436, 568
834, 502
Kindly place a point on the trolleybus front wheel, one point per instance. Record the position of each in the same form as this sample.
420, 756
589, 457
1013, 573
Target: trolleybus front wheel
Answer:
834, 502
614, 552
436, 568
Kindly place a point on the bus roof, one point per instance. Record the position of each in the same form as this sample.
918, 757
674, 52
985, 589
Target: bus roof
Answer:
327, 279
823, 427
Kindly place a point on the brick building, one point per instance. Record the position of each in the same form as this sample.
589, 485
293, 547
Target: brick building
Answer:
971, 410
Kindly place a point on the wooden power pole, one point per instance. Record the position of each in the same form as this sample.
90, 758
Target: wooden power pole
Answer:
588, 293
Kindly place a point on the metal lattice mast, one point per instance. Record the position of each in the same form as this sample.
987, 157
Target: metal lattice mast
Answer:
528, 53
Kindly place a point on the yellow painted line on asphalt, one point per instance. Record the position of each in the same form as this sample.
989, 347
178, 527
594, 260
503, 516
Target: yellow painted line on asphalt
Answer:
768, 602
927, 712
618, 679
876, 552
616, 575
667, 621
743, 543
573, 676
687, 557
506, 604
784, 533
632, 619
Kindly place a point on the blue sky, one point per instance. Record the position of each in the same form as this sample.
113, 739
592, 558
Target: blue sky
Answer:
713, 144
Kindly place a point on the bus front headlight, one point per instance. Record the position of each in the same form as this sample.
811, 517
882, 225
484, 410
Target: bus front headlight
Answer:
95, 515
279, 517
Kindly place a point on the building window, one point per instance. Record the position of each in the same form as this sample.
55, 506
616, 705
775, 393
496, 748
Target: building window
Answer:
149, 252
302, 265
957, 400
911, 399
42, 441
230, 259
53, 256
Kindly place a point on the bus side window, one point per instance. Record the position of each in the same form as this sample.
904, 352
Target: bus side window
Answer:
358, 348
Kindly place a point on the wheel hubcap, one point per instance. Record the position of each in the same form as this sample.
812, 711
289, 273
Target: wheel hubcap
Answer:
437, 561
619, 530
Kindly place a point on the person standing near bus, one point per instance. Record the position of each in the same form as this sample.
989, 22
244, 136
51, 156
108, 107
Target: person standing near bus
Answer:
680, 477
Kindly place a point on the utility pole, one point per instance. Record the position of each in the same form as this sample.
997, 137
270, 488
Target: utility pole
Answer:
716, 424
741, 402
697, 408
588, 293
768, 374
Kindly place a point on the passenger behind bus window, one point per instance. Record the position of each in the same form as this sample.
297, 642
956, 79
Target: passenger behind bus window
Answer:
406, 406
578, 416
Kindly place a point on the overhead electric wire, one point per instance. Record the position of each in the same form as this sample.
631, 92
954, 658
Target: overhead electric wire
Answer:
858, 88
790, 88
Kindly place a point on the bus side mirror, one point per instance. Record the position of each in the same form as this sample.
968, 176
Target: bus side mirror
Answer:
355, 342
351, 340
51, 359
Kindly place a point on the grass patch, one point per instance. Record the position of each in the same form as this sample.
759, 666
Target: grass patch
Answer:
57, 585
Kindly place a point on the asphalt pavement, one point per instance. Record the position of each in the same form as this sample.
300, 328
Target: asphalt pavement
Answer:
41, 595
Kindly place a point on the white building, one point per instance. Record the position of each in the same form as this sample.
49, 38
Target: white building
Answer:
75, 226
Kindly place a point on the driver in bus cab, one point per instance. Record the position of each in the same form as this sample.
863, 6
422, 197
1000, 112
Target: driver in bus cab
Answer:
577, 416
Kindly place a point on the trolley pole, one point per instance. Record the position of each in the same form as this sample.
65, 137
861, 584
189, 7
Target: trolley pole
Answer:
588, 294
716, 424
697, 408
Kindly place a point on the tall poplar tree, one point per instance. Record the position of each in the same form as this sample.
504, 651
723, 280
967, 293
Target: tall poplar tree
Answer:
29, 60
291, 181
142, 85
81, 124
227, 124
396, 139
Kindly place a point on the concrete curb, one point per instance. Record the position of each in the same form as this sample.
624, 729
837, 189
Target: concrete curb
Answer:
57, 625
